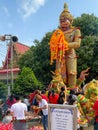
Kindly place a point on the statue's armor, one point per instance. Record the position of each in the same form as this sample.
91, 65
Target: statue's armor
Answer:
68, 65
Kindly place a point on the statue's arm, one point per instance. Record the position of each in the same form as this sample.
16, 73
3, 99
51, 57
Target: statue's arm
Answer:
76, 40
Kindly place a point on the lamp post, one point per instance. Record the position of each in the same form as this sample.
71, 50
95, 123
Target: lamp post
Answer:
9, 39
12, 64
7, 58
10, 42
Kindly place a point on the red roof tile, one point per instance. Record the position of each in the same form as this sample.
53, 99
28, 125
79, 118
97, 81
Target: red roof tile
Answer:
9, 70
21, 48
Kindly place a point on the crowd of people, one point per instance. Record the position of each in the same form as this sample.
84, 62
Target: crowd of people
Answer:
37, 103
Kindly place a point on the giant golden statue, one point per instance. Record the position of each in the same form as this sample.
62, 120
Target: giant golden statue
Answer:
63, 44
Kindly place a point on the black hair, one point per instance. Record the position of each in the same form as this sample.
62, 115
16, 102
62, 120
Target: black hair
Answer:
17, 97
11, 98
43, 92
53, 93
71, 99
49, 93
61, 97
62, 88
8, 112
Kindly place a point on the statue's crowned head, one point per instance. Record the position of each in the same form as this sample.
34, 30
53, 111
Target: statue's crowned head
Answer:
66, 14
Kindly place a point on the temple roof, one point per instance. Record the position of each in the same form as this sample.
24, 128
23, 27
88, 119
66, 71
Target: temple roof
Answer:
9, 70
19, 48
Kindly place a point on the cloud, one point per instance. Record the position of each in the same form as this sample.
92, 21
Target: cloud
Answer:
5, 10
28, 7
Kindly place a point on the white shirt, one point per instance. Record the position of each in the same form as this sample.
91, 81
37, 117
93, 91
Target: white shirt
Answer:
26, 101
42, 104
19, 110
7, 119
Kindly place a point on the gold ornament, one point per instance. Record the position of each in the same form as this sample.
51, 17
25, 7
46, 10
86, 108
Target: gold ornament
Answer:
66, 14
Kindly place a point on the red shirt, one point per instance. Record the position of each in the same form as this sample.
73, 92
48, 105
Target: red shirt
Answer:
10, 103
44, 97
95, 108
31, 97
54, 99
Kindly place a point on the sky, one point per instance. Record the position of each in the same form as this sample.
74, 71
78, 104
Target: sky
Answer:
32, 19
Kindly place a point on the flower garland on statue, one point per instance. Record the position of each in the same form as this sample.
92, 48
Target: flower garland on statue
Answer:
86, 102
58, 46
57, 81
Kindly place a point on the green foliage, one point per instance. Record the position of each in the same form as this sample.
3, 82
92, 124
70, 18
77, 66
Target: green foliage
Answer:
88, 53
88, 56
85, 53
27, 59
38, 59
3, 90
88, 24
26, 82
41, 66
95, 60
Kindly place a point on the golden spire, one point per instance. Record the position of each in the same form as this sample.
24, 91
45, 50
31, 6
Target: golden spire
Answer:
66, 13
66, 7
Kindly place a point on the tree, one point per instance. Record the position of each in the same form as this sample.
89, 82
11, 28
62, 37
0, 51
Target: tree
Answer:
3, 90
95, 60
27, 59
85, 53
41, 66
38, 59
26, 82
88, 24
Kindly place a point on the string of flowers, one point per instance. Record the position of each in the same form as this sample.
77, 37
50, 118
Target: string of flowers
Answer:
58, 46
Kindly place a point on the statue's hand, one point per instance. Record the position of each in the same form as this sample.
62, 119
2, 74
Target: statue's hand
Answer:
84, 73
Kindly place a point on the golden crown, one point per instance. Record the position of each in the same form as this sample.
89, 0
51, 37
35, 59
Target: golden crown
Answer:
65, 13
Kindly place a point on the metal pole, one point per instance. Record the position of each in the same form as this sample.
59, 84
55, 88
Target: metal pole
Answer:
7, 66
12, 64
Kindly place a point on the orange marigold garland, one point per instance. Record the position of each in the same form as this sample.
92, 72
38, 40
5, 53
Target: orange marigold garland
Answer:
58, 46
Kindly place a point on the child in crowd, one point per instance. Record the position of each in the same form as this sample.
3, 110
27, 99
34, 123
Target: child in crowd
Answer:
7, 118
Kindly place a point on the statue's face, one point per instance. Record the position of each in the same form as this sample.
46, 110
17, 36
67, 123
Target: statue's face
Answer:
64, 23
